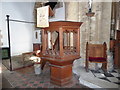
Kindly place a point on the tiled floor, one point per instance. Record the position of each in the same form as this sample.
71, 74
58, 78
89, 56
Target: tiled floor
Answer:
113, 76
5, 83
98, 78
26, 78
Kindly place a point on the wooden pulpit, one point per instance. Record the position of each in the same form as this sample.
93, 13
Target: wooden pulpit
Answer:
60, 47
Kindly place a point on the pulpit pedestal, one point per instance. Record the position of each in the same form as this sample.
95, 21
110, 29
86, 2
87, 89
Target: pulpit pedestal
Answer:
60, 47
61, 75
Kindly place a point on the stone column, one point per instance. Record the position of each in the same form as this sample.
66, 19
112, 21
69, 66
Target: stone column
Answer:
72, 9
106, 23
95, 29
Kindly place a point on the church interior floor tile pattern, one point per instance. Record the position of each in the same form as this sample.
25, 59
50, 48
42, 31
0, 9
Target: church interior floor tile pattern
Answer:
113, 76
26, 78
98, 78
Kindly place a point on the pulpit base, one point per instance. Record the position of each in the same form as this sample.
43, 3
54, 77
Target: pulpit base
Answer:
61, 75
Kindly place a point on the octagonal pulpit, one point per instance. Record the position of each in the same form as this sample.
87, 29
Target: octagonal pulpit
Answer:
60, 47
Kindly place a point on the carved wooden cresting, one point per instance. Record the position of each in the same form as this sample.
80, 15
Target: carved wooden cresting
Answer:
61, 46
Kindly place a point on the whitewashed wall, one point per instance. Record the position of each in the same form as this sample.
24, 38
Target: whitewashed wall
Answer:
21, 33
59, 14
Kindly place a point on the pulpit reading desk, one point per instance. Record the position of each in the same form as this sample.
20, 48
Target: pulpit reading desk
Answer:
60, 47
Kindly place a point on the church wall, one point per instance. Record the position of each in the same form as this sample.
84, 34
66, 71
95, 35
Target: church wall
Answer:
94, 29
21, 34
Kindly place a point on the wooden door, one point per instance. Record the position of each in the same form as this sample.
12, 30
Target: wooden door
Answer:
117, 50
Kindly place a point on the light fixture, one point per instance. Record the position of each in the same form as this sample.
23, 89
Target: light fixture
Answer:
90, 13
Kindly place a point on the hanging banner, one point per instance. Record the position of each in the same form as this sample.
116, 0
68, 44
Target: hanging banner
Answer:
42, 16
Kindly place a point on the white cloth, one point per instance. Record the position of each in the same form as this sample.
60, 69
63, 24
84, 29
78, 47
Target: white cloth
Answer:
35, 59
42, 16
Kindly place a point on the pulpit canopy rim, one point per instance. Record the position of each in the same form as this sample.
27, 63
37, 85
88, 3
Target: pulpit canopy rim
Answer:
59, 24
